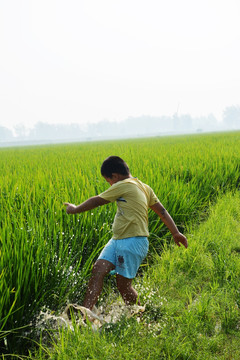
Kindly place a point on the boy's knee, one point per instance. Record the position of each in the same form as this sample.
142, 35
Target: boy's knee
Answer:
97, 269
101, 268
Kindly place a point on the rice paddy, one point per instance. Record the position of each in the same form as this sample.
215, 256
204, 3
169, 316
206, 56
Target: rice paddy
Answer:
46, 255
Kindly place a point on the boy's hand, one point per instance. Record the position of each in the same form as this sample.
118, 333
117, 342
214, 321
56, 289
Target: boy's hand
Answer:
180, 238
71, 208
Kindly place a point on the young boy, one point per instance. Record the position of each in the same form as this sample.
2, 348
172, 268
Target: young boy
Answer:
129, 244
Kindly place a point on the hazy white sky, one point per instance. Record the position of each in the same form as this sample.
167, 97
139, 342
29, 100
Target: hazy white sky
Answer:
78, 61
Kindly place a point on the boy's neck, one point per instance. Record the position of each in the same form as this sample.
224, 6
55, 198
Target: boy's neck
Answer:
117, 177
123, 177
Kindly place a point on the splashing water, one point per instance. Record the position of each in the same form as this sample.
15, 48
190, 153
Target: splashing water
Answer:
98, 317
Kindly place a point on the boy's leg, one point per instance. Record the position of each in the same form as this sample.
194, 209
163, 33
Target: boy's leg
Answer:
100, 269
129, 294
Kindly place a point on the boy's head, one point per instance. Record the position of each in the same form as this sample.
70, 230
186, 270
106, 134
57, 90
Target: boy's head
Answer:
114, 165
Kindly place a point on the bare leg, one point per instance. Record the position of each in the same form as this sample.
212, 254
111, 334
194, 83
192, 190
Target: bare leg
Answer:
129, 294
100, 269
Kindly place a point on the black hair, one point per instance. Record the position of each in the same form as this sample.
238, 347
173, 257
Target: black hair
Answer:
114, 164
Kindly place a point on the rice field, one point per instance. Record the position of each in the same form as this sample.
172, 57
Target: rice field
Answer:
46, 255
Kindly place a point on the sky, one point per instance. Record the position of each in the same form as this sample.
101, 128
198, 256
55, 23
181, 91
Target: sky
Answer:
81, 61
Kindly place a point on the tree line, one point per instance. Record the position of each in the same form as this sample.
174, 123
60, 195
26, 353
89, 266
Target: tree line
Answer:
131, 127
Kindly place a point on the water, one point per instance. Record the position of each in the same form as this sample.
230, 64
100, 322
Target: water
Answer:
97, 317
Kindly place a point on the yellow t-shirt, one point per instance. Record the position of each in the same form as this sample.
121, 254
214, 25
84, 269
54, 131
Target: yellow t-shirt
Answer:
133, 200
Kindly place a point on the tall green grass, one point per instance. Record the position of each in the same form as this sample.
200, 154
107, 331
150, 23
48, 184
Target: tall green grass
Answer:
192, 303
46, 255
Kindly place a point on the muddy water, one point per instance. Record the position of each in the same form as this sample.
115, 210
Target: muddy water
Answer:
97, 317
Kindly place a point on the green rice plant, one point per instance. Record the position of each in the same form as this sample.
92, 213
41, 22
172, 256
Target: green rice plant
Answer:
46, 255
187, 316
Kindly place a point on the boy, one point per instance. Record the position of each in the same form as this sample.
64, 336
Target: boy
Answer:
129, 244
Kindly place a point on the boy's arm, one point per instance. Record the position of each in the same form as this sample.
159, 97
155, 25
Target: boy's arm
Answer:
89, 204
168, 221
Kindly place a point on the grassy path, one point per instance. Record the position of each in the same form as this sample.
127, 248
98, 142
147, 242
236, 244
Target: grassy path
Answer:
192, 302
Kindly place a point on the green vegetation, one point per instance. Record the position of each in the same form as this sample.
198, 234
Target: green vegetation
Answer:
46, 256
192, 302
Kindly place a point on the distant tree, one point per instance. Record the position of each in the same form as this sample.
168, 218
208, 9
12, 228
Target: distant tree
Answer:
182, 122
45, 131
20, 131
206, 123
5, 134
231, 116
186, 122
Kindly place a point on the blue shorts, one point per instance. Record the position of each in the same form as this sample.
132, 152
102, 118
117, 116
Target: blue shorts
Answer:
126, 254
